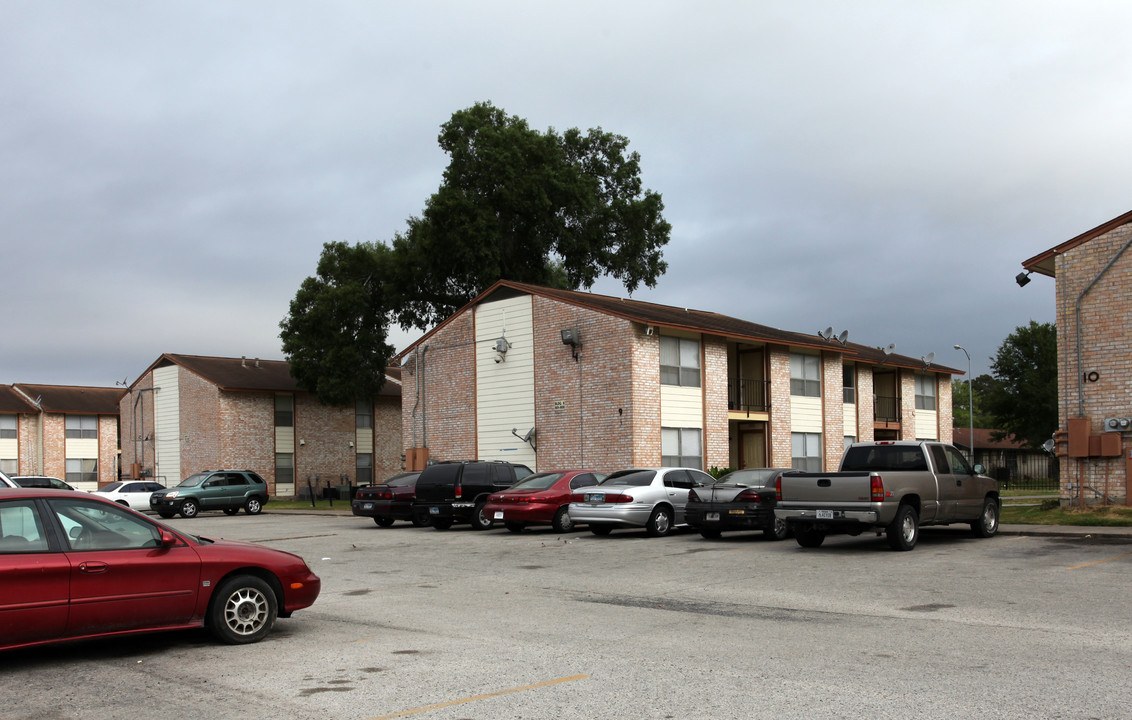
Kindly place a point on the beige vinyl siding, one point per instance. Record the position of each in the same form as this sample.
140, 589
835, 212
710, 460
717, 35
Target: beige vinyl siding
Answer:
505, 391
805, 414
363, 440
681, 407
850, 415
284, 439
927, 425
167, 425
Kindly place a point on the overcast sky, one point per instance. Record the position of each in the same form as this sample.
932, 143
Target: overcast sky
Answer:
170, 171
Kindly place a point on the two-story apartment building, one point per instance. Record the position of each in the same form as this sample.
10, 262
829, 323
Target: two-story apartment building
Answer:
188, 413
1093, 273
62, 431
555, 378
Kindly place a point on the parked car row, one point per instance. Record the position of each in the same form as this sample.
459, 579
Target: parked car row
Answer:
656, 499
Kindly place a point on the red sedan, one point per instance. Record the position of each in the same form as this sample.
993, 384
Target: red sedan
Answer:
539, 499
73, 565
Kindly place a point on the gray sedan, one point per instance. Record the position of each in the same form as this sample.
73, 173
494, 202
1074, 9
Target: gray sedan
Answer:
652, 498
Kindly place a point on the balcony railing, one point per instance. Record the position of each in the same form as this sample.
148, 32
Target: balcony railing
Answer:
886, 409
748, 395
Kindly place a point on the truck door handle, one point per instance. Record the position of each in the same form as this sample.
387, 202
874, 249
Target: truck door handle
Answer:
824, 482
93, 567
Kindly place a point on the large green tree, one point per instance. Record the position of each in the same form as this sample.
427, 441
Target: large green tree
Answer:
980, 388
1023, 397
547, 208
335, 334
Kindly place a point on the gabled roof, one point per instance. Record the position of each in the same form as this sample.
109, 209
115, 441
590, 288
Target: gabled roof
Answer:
13, 402
250, 375
983, 440
72, 400
677, 318
1044, 263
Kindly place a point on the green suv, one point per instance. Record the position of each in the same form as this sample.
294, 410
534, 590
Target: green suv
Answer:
227, 490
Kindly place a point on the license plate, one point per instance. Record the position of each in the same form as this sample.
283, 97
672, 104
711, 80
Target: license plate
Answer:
711, 517
825, 514
498, 515
434, 511
595, 498
736, 512
367, 506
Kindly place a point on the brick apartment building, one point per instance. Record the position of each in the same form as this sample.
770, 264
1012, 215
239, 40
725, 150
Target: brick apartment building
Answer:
189, 413
556, 379
1093, 273
62, 431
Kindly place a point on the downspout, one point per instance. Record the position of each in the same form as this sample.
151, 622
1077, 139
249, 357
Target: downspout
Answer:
424, 400
1077, 312
417, 404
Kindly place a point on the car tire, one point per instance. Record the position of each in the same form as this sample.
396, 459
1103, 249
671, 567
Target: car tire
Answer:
904, 530
243, 610
514, 527
562, 521
254, 506
189, 509
232, 511
777, 530
808, 537
480, 521
420, 520
441, 523
166, 515
987, 524
711, 534
659, 523
382, 521
601, 529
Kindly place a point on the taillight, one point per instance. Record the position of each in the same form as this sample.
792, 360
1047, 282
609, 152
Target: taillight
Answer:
577, 497
693, 497
778, 488
876, 488
748, 496
618, 498
385, 494
459, 491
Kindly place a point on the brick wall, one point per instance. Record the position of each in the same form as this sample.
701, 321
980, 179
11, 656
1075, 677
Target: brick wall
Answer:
717, 443
443, 416
780, 451
833, 410
644, 351
865, 403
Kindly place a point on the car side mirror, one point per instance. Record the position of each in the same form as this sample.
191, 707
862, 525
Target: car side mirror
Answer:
980, 470
168, 539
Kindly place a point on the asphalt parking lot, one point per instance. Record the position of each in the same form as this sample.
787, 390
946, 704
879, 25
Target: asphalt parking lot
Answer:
463, 624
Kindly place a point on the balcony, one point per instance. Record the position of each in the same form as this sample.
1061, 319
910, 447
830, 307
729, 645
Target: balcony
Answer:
749, 396
886, 408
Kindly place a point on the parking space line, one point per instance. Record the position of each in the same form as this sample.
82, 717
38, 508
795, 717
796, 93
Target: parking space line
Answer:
485, 696
1098, 562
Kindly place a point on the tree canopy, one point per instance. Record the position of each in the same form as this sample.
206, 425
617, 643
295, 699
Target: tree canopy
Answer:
1023, 396
546, 208
980, 387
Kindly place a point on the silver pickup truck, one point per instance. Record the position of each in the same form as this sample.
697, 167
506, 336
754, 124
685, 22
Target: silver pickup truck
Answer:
892, 487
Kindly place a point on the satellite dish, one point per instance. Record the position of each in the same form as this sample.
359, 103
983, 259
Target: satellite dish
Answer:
928, 358
843, 337
888, 350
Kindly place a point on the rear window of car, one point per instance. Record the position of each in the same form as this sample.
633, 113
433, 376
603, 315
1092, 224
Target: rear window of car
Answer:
749, 478
638, 478
540, 481
884, 457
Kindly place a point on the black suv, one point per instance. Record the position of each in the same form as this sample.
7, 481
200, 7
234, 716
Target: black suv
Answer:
457, 491
227, 490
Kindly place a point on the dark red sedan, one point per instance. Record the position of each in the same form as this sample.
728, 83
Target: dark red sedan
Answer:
73, 565
539, 499
389, 501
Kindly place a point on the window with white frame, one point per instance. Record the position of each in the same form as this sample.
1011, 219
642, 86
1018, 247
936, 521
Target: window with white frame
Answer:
82, 426
925, 392
805, 451
805, 375
679, 361
9, 427
10, 466
681, 447
82, 470
849, 373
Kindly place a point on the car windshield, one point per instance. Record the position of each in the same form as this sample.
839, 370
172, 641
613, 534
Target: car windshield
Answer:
540, 481
748, 478
111, 487
639, 478
193, 480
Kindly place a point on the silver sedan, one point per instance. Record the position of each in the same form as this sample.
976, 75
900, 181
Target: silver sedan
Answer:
652, 498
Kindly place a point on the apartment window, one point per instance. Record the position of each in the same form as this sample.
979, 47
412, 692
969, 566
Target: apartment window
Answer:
681, 447
364, 468
11, 466
679, 361
284, 468
925, 392
82, 426
849, 375
82, 470
805, 375
8, 427
363, 414
805, 451
284, 411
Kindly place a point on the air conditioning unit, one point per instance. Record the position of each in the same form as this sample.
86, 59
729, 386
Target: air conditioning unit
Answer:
1118, 424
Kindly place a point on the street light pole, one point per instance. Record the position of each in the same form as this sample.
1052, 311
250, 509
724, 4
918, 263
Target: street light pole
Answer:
970, 403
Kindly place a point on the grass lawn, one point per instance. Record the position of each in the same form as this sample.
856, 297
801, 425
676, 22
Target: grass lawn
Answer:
1049, 512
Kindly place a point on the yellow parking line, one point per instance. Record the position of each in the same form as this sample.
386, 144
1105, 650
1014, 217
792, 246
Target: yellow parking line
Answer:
1098, 562
438, 706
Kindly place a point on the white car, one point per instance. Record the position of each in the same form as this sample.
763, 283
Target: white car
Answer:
5, 481
132, 493
652, 498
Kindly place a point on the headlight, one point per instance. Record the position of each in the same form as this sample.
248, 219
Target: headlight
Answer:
171, 495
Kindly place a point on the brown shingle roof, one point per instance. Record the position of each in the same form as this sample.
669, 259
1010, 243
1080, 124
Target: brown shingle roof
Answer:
677, 318
74, 400
983, 441
250, 374
12, 402
1044, 263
